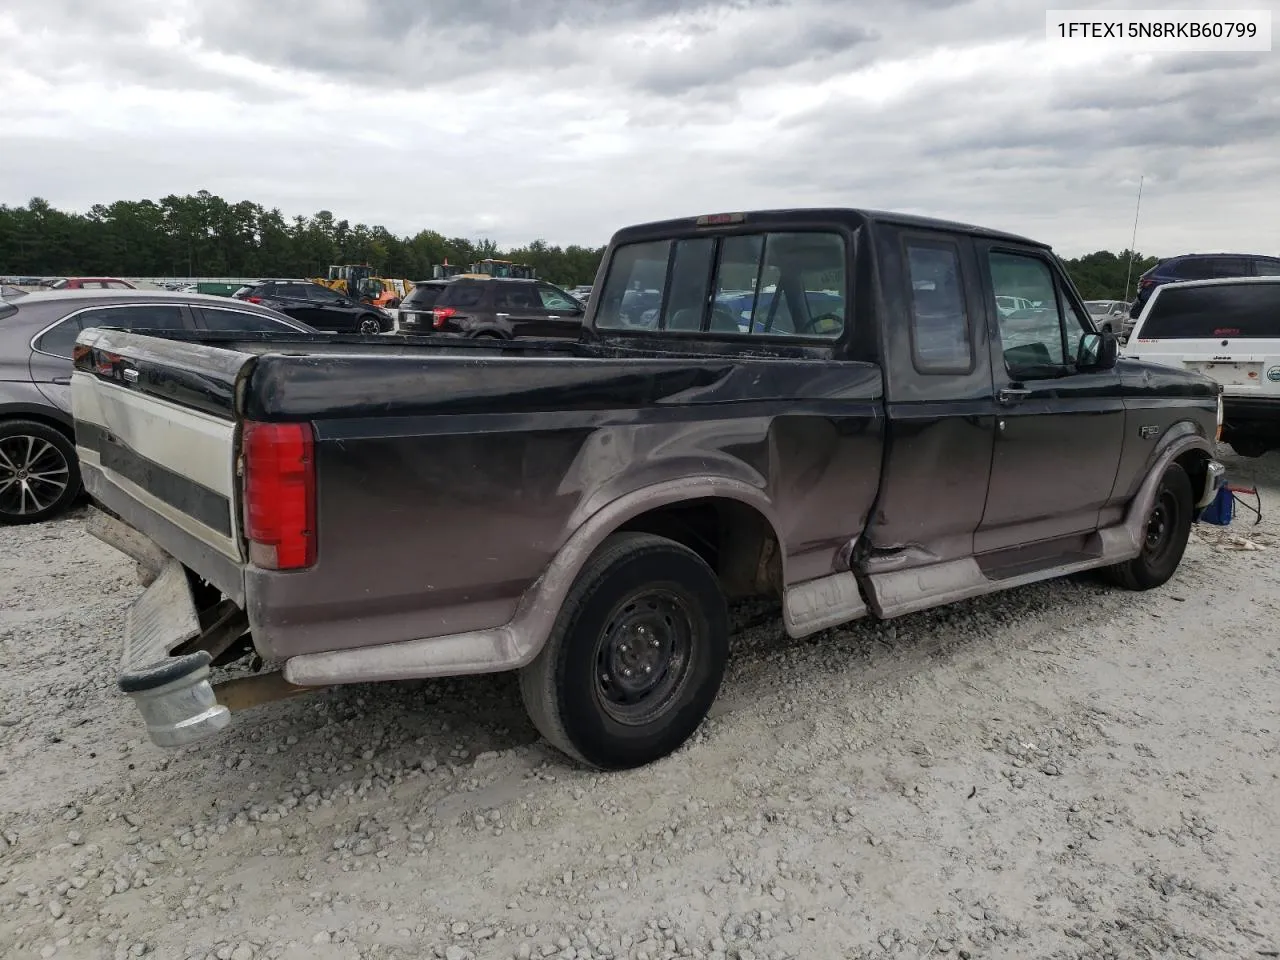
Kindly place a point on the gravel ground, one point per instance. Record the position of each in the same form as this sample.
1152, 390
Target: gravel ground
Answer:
1062, 771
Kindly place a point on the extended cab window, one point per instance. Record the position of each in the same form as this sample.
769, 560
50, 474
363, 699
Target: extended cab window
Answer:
774, 284
1034, 329
939, 323
1229, 310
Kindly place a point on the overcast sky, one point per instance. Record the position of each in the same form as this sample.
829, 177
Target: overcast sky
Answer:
566, 119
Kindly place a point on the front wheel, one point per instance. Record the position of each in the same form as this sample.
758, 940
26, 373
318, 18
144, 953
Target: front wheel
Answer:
39, 472
1165, 535
635, 658
370, 325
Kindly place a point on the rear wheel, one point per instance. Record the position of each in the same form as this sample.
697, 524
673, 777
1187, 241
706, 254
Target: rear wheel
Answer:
39, 472
1166, 532
636, 656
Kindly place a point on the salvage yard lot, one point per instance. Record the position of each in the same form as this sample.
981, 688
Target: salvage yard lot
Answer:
1065, 770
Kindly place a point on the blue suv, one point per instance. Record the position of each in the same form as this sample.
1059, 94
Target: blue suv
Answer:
1202, 266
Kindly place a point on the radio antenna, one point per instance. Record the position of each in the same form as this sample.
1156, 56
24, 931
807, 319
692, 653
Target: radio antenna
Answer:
1134, 240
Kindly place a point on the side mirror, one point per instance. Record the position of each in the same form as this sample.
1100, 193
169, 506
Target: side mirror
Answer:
1097, 351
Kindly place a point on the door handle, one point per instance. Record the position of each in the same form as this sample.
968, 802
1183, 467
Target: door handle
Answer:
1011, 395
553, 316
502, 316
61, 381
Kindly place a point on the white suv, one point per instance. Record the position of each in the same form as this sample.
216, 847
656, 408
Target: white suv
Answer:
1227, 329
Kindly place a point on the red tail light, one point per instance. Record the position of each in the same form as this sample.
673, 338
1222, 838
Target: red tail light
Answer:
440, 315
1144, 284
280, 495
254, 299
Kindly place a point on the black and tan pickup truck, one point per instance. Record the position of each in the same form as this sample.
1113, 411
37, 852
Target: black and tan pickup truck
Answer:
835, 407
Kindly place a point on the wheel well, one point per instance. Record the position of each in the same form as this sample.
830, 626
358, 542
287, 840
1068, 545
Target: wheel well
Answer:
63, 428
733, 538
1196, 465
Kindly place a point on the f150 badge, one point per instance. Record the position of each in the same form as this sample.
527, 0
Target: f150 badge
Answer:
1148, 431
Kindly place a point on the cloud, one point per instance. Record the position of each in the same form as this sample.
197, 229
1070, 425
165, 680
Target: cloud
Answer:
566, 119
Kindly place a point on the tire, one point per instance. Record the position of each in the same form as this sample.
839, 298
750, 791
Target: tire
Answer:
28, 447
1163, 547
635, 586
488, 335
369, 325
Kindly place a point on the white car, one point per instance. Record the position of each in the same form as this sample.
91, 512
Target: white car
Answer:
1108, 314
1229, 330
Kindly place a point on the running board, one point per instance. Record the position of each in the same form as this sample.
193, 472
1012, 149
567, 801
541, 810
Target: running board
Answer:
901, 592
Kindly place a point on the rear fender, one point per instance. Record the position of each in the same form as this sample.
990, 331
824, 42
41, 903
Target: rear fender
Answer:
519, 641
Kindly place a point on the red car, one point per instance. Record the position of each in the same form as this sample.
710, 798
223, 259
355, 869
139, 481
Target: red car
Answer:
90, 283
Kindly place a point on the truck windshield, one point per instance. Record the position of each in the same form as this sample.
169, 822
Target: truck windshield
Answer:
1247, 310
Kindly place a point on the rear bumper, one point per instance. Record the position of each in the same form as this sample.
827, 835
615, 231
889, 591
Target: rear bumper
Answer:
172, 693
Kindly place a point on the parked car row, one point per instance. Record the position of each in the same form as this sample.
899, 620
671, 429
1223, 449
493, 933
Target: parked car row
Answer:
39, 470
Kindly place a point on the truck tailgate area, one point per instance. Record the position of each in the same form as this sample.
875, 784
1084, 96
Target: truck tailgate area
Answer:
149, 452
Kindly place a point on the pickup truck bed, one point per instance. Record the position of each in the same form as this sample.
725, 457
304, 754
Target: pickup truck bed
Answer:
581, 511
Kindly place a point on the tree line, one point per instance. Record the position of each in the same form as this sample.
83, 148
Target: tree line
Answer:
203, 235
206, 236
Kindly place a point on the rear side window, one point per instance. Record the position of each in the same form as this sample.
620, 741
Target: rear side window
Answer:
940, 340
770, 284
1266, 267
238, 321
422, 297
1249, 310
461, 295
60, 339
135, 317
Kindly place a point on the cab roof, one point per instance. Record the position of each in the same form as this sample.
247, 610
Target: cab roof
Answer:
851, 217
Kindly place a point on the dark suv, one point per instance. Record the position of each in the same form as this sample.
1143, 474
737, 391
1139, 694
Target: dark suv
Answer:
416, 309
1201, 266
471, 307
317, 306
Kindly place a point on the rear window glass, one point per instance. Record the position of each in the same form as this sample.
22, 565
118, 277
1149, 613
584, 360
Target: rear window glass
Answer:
771, 284
422, 297
1211, 312
461, 295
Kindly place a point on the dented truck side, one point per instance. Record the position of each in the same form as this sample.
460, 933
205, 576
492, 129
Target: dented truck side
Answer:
827, 406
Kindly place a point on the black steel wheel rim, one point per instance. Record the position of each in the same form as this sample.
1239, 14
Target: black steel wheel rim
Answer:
643, 655
34, 474
1161, 524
